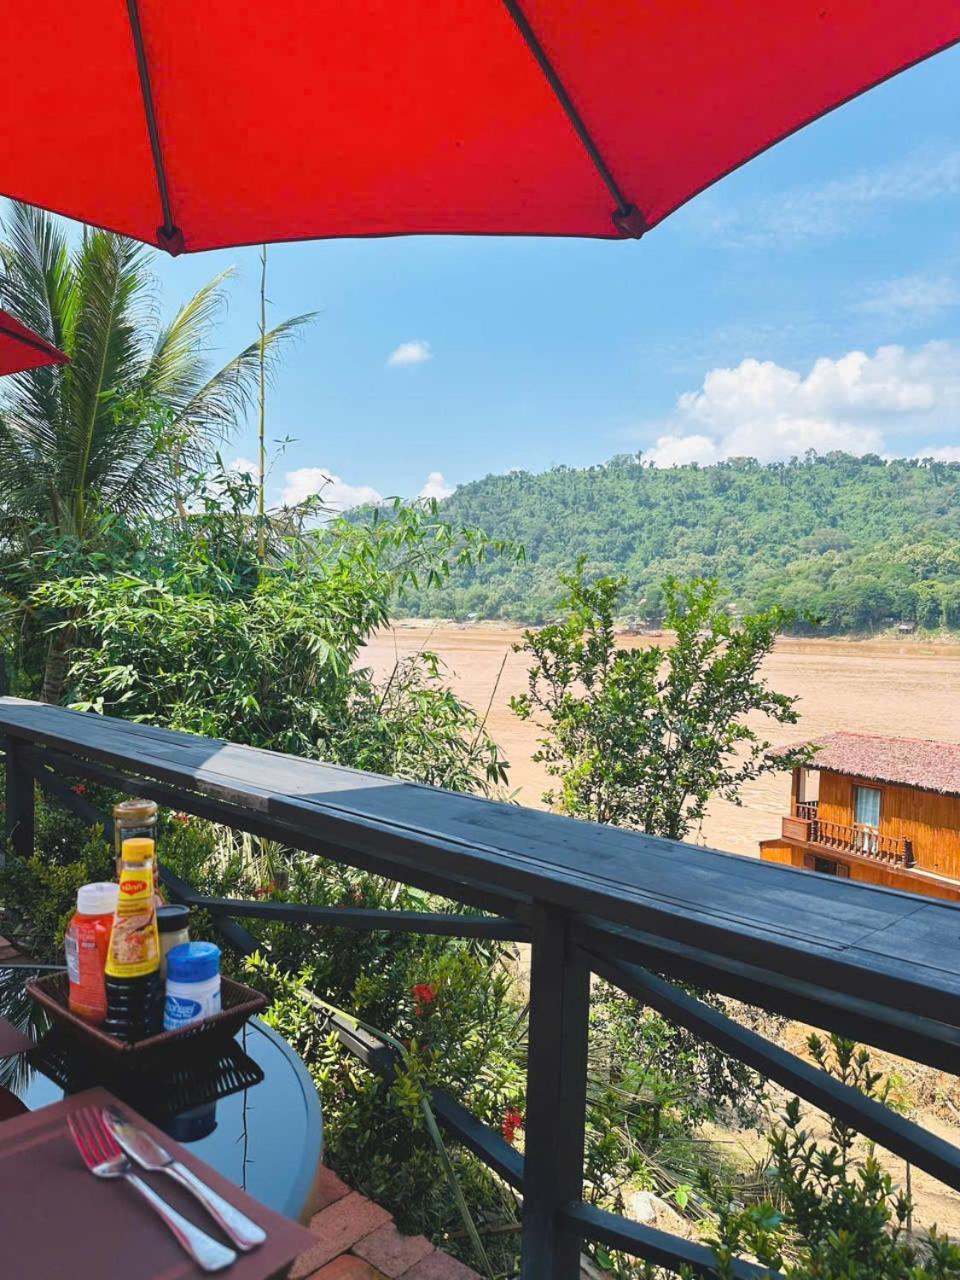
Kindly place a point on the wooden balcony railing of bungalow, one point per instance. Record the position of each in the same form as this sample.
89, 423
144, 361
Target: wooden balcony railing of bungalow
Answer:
805, 824
878, 966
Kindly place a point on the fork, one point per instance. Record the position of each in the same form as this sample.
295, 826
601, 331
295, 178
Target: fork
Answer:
103, 1157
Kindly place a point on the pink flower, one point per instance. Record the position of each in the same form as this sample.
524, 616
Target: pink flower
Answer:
79, 789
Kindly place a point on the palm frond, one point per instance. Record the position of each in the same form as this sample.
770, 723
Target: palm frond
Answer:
218, 405
177, 367
37, 283
109, 432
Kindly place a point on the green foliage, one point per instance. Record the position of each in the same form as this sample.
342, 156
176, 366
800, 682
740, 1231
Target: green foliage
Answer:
837, 1216
858, 543
450, 1003
118, 431
38, 895
199, 636
645, 737
464, 1039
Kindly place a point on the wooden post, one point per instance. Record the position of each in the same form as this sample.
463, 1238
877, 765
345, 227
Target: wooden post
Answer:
556, 1100
19, 802
794, 790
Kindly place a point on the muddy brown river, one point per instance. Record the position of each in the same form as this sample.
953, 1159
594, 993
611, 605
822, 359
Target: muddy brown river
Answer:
906, 688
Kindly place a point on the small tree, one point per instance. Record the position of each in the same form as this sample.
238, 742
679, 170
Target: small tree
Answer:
645, 737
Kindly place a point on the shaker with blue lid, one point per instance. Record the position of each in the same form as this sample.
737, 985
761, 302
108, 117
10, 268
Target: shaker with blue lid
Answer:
193, 984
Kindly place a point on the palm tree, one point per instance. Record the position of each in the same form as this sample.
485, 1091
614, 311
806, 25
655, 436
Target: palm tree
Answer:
115, 433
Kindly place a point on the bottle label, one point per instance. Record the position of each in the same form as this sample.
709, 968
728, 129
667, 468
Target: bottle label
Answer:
84, 947
179, 1011
72, 948
134, 941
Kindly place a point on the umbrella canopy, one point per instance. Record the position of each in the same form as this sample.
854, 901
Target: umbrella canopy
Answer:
21, 348
193, 126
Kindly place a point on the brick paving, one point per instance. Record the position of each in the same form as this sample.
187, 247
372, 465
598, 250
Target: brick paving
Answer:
356, 1240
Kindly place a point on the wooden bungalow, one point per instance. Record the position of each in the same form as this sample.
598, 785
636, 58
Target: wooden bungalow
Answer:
884, 810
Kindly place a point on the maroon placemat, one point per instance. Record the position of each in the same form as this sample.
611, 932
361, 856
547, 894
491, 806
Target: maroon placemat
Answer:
12, 1041
57, 1219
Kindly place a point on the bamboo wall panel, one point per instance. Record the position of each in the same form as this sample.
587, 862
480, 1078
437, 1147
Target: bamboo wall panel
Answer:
779, 851
929, 820
868, 872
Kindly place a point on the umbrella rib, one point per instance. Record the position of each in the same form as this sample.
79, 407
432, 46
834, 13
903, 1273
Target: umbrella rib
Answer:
169, 236
627, 218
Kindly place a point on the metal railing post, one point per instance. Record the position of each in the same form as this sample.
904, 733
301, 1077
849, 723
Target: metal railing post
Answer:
18, 816
556, 1099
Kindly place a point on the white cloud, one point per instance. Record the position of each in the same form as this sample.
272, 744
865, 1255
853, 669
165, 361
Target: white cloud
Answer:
409, 353
942, 453
767, 411
677, 451
243, 466
912, 299
435, 486
813, 212
335, 493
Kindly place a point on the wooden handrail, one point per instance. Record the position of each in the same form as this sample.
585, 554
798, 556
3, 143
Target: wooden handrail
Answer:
868, 842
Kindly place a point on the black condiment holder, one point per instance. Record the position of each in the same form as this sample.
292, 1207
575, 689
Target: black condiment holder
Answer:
238, 1003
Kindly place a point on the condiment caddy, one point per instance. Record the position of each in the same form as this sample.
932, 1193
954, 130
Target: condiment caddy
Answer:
238, 1003
135, 983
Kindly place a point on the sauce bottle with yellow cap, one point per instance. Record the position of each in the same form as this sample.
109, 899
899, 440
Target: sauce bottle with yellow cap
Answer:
132, 974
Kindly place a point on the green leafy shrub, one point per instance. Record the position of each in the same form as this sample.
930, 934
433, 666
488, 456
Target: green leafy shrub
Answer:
38, 895
835, 1215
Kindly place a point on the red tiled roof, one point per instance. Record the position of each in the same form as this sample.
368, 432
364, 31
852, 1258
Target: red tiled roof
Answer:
912, 762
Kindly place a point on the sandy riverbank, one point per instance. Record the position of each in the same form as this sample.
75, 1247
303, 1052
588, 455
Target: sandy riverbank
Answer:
905, 687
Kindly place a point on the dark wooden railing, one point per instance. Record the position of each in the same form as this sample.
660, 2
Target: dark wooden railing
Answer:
867, 842
870, 964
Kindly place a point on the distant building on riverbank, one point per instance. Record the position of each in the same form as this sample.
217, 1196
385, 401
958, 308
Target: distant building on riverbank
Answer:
884, 810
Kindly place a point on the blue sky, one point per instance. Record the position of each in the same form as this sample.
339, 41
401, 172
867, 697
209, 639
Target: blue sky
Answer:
811, 299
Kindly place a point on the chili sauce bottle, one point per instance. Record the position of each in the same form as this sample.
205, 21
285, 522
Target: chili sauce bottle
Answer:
133, 983
86, 943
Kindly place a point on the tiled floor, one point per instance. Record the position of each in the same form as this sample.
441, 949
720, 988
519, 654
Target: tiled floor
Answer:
356, 1240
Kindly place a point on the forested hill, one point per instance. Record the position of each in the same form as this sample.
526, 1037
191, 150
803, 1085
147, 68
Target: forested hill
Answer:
859, 542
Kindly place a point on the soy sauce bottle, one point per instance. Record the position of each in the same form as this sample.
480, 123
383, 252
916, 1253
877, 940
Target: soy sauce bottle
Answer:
132, 973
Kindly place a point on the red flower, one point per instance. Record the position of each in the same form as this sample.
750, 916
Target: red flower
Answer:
424, 994
79, 789
182, 818
512, 1121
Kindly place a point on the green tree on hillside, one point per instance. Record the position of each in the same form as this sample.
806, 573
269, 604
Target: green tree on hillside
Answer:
857, 543
646, 737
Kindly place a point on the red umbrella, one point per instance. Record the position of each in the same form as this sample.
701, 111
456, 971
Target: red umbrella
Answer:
21, 348
196, 125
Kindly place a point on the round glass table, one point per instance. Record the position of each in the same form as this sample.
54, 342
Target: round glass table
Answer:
250, 1110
